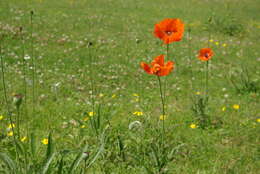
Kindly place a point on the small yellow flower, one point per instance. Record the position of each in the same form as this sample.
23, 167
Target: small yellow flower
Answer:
135, 95
163, 117
211, 40
224, 108
114, 96
197, 93
101, 95
224, 45
217, 43
1, 117
9, 134
258, 120
86, 119
193, 126
91, 114
45, 141
236, 106
11, 125
83, 126
138, 113
23, 139
137, 100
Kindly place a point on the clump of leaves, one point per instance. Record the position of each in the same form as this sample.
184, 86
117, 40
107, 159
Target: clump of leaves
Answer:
226, 24
199, 107
243, 82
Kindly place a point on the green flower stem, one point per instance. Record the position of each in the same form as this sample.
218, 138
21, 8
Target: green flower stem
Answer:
162, 99
206, 81
18, 122
7, 103
190, 59
33, 63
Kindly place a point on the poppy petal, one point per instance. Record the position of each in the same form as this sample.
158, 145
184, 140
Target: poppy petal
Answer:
158, 60
169, 30
205, 54
165, 70
146, 67
158, 32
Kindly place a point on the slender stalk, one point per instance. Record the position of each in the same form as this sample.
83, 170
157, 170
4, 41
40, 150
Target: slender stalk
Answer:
92, 90
167, 51
18, 123
207, 71
5, 91
189, 52
24, 72
206, 81
7, 102
33, 63
165, 81
163, 104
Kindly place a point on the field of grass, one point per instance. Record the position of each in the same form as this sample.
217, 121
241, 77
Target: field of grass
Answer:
72, 85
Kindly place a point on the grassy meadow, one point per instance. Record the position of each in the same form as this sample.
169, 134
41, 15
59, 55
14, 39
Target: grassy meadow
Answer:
79, 102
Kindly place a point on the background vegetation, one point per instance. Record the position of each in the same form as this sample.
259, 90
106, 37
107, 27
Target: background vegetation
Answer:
76, 63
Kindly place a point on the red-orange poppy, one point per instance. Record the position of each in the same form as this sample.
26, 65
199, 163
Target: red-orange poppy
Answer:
169, 30
158, 67
205, 54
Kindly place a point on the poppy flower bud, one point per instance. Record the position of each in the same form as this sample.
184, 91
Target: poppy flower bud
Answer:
17, 100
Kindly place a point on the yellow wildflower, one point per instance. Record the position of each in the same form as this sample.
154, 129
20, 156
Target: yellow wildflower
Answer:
101, 95
135, 95
217, 43
86, 119
23, 139
114, 96
224, 108
138, 113
45, 141
197, 93
258, 120
224, 45
163, 117
11, 125
211, 40
9, 134
236, 106
91, 114
1, 117
83, 126
193, 126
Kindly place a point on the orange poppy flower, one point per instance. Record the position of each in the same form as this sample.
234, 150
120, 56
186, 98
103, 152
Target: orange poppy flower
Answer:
205, 54
158, 67
169, 30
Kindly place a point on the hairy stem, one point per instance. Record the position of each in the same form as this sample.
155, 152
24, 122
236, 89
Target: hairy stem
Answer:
163, 104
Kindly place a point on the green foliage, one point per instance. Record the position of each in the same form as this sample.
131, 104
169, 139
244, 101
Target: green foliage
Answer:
243, 82
199, 108
87, 56
227, 24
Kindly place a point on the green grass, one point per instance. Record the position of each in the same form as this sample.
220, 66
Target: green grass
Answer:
85, 48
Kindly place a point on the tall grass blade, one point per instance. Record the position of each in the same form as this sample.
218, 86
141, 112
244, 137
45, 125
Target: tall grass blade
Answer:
33, 144
47, 163
103, 139
49, 155
8, 161
50, 148
78, 159
61, 163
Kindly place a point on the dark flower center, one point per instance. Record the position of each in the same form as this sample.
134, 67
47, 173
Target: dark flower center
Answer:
168, 32
207, 55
